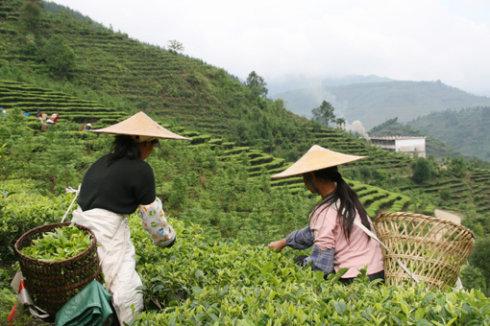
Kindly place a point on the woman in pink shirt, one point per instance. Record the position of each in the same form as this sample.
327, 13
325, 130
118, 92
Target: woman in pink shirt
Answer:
337, 241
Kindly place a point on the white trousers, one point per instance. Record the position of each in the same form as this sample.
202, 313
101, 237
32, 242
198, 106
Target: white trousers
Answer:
116, 254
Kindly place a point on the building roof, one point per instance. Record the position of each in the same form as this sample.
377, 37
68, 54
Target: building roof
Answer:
395, 137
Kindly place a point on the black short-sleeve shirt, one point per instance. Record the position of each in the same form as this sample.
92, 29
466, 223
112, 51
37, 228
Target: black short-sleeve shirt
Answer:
119, 187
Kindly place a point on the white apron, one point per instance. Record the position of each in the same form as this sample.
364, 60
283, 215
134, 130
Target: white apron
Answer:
116, 254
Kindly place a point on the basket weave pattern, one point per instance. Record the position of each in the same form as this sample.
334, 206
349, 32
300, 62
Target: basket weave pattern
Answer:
434, 250
52, 284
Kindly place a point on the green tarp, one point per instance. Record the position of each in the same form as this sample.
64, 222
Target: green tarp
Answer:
91, 306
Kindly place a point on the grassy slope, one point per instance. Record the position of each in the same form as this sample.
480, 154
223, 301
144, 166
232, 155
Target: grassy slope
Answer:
258, 164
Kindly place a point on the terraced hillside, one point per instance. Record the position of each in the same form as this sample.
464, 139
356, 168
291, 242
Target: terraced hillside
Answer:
453, 191
194, 94
468, 195
219, 271
180, 87
32, 99
28, 98
373, 198
261, 164
481, 179
216, 188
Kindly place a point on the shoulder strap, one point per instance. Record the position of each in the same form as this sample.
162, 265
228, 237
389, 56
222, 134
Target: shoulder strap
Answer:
71, 190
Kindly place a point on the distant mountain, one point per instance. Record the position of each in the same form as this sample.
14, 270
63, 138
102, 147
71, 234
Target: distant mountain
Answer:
467, 131
296, 82
375, 102
354, 79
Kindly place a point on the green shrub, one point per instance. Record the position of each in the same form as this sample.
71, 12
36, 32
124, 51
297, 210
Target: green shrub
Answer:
480, 257
473, 278
423, 171
20, 212
59, 57
30, 15
202, 282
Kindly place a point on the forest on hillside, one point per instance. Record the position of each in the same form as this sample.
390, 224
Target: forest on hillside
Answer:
465, 130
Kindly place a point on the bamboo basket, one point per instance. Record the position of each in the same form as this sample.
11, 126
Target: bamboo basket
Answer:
433, 250
52, 284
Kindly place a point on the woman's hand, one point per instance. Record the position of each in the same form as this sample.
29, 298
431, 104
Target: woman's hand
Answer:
277, 245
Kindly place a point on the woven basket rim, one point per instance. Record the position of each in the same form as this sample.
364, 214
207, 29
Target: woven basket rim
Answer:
45, 228
417, 216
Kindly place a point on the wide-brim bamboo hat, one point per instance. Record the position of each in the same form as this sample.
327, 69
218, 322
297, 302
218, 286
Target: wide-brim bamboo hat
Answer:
316, 158
140, 125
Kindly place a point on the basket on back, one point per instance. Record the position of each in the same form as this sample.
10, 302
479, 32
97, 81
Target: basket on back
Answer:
433, 250
52, 284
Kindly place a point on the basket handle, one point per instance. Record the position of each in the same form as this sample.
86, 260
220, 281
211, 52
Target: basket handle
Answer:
71, 190
373, 236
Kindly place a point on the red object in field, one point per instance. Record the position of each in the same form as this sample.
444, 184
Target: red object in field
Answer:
11, 316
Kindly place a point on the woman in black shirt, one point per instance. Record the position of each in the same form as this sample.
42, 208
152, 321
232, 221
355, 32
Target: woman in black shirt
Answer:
116, 185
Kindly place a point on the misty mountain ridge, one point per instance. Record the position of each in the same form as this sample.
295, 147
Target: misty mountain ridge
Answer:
296, 82
375, 102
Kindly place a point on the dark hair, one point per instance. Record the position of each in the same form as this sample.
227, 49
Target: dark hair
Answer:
124, 146
349, 202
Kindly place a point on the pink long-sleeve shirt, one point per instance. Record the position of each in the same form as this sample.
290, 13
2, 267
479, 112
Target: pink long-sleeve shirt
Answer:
360, 251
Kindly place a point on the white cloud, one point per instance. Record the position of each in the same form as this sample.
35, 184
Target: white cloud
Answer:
417, 40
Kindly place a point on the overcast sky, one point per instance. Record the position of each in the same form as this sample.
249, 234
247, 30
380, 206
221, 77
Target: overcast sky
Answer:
400, 39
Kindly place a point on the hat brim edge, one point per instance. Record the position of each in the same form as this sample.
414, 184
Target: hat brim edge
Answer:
177, 137
280, 176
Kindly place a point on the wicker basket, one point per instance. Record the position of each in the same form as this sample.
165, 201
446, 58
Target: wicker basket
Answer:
432, 249
52, 284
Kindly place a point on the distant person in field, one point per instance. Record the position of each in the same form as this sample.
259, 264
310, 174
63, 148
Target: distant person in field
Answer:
42, 118
332, 231
53, 119
116, 185
85, 127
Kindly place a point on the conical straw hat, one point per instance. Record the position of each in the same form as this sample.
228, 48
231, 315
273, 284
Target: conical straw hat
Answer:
317, 158
140, 125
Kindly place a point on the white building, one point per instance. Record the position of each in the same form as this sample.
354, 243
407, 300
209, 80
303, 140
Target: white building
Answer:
405, 144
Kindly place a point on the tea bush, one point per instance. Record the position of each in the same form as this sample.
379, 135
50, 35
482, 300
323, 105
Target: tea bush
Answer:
216, 273
200, 282
22, 211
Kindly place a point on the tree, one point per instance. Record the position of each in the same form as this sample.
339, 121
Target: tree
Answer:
175, 46
59, 57
423, 170
30, 15
340, 123
256, 85
473, 278
324, 114
458, 167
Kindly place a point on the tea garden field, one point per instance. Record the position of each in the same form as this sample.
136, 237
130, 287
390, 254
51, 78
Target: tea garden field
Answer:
219, 271
215, 188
